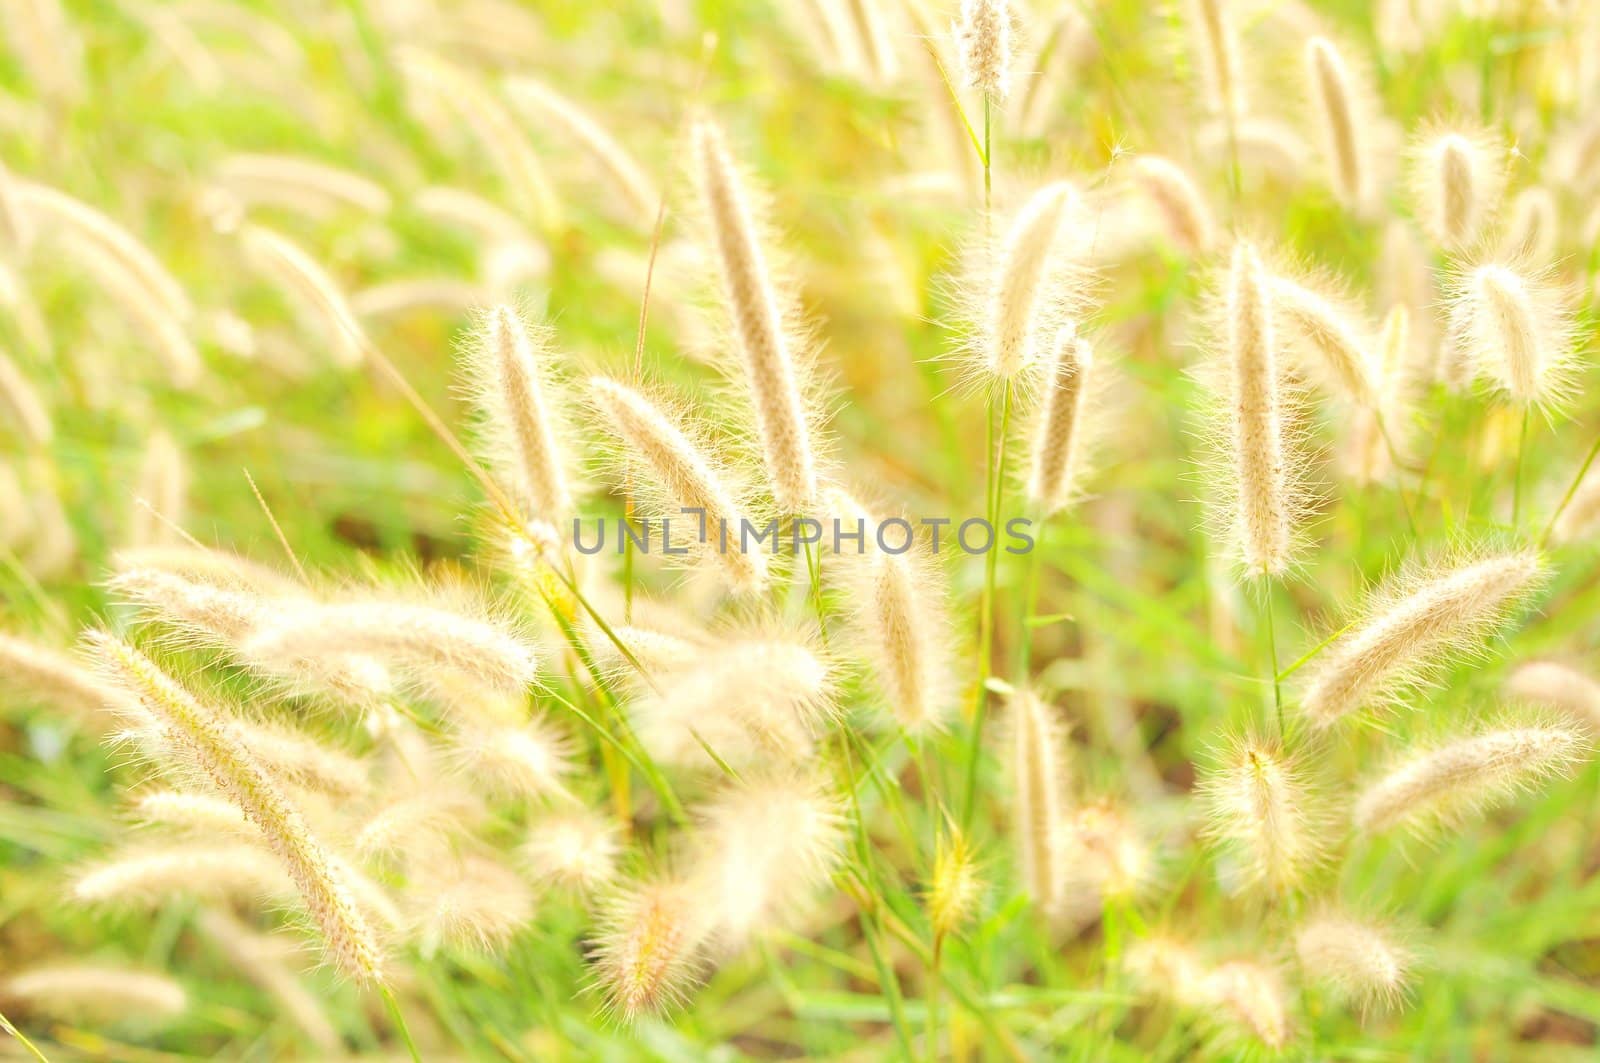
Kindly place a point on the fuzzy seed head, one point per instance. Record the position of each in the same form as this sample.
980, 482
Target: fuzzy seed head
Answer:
1058, 443
1216, 48
578, 850
983, 34
1182, 206
1441, 786
902, 627
21, 403
955, 888
1253, 996
1356, 960
472, 903
1344, 133
648, 952
227, 871
1557, 686
304, 279
765, 341
1259, 807
1456, 179
1412, 623
1032, 289
1532, 231
1515, 329
1039, 814
527, 760
1329, 339
81, 991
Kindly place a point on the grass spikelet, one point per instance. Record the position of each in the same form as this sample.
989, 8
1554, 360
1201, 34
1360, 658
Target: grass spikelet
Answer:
1259, 807
1183, 208
768, 344
900, 616
1329, 339
258, 957
200, 564
1058, 443
762, 849
162, 486
313, 289
1532, 229
211, 870
473, 903
189, 811
1456, 176
1344, 128
615, 161
194, 609
1557, 686
432, 644
1032, 289
55, 209
1215, 43
1440, 786
1039, 813
1356, 960
494, 128
577, 850
647, 955
528, 760
688, 478
22, 404
983, 36
1105, 858
1264, 489
1412, 622
303, 761
1167, 968
524, 428
294, 182
749, 698
34, 674
84, 991
197, 730
1514, 328
955, 886
1253, 996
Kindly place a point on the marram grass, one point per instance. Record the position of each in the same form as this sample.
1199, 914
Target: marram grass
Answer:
1169, 438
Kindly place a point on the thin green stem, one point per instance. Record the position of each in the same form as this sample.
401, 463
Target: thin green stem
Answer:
6, 1025
1572, 489
1272, 651
400, 1022
1516, 482
1394, 460
996, 491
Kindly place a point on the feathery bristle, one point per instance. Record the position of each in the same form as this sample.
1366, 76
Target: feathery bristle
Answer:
196, 610
1038, 817
1030, 294
648, 952
525, 430
233, 769
1442, 785
80, 991
1182, 206
761, 850
983, 33
900, 616
766, 342
20, 399
38, 675
1411, 624
210, 869
1558, 686
190, 811
1514, 328
578, 850
688, 478
1357, 960
1259, 807
1333, 338
1344, 129
311, 286
1263, 507
1456, 178
1058, 443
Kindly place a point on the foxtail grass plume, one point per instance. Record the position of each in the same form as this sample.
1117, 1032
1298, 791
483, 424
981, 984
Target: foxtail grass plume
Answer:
1345, 129
21, 402
524, 760
76, 992
1264, 486
1411, 623
1373, 430
766, 338
1182, 206
163, 483
955, 886
213, 869
1260, 808
525, 432
303, 185
983, 34
1441, 786
1582, 514
185, 810
1532, 229
619, 166
1329, 339
1253, 996
1031, 292
202, 564
1038, 809
578, 850
471, 903
259, 959
35, 674
1215, 45
688, 477
1456, 177
648, 952
1558, 686
762, 849
1514, 328
1058, 433
1357, 960
900, 613
315, 292
210, 745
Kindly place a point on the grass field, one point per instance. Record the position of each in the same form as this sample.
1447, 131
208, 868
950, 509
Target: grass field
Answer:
333, 331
